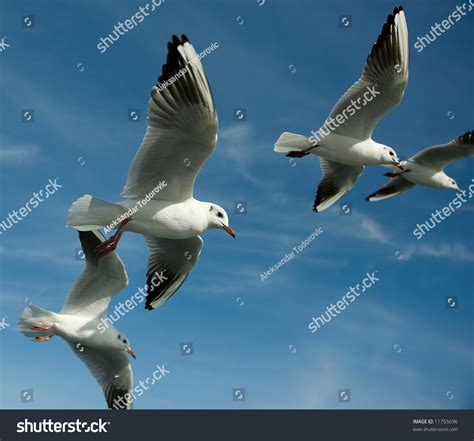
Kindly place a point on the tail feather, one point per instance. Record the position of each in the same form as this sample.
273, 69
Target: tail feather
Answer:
288, 142
90, 213
35, 316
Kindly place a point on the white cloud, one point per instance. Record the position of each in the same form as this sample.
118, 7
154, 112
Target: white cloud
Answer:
18, 153
239, 147
451, 251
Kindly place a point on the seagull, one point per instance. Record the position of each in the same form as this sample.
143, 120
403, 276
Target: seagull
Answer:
104, 353
344, 143
427, 168
181, 135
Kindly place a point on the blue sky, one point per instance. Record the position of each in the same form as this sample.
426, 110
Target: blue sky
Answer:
397, 346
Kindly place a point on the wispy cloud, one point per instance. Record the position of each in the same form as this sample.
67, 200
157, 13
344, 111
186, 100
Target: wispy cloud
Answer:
42, 255
452, 251
238, 143
18, 153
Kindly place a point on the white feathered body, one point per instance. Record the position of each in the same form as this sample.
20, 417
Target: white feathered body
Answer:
423, 175
157, 217
347, 150
166, 219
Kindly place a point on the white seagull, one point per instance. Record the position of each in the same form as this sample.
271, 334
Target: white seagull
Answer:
181, 135
104, 353
427, 168
344, 143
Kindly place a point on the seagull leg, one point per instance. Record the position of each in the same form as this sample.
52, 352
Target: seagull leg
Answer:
394, 175
110, 244
42, 339
41, 328
299, 153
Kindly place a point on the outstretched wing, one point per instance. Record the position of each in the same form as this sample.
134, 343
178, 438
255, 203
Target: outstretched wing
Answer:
393, 187
381, 85
100, 281
337, 180
169, 264
182, 128
112, 370
438, 156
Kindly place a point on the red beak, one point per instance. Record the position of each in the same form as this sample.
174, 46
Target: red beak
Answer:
130, 351
398, 165
229, 230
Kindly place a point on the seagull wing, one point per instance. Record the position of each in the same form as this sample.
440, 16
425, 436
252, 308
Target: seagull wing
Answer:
169, 264
100, 281
337, 180
182, 128
111, 369
393, 187
438, 156
382, 84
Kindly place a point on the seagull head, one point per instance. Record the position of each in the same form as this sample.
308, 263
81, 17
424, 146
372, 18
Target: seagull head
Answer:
122, 344
218, 219
451, 184
389, 156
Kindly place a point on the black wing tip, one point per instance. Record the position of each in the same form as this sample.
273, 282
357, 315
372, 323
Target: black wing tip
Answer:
174, 60
467, 138
115, 400
386, 29
149, 298
176, 41
379, 193
148, 306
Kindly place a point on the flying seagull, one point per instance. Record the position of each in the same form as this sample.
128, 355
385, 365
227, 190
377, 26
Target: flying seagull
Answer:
427, 168
181, 135
344, 143
104, 353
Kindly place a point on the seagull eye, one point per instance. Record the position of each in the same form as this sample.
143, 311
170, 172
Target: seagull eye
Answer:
125, 341
391, 153
219, 214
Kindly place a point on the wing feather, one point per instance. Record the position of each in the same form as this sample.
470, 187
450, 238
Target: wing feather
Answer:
100, 281
439, 156
385, 74
182, 128
169, 264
